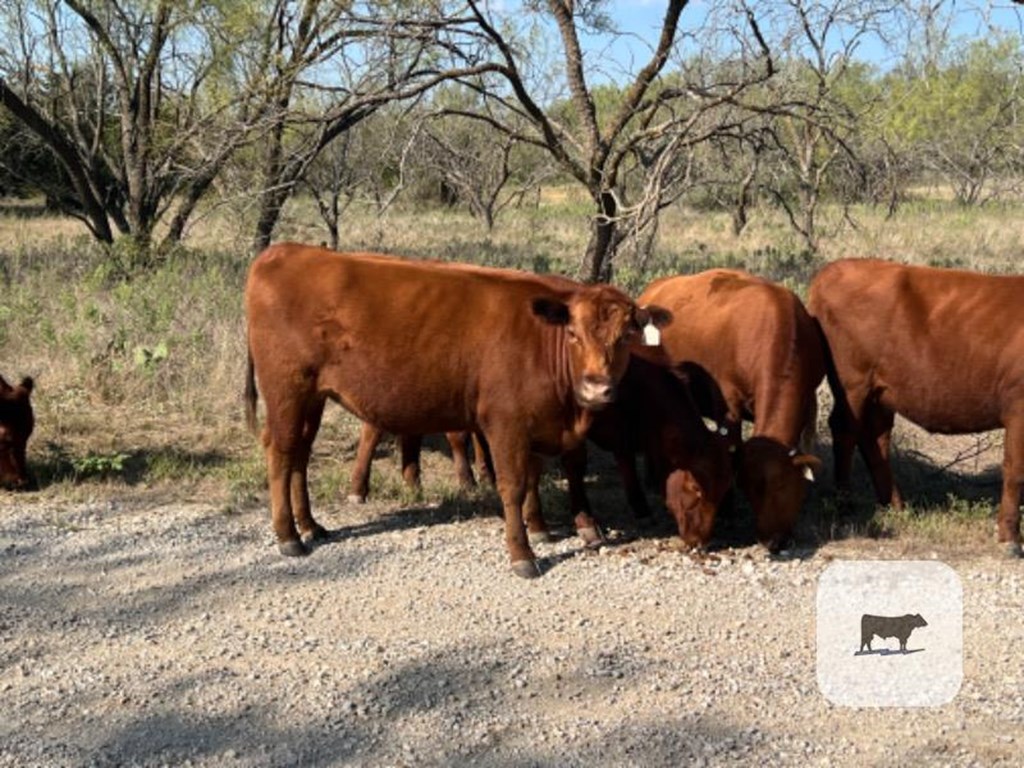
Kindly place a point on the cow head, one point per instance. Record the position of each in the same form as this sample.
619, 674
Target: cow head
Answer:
774, 480
918, 621
693, 495
600, 324
16, 423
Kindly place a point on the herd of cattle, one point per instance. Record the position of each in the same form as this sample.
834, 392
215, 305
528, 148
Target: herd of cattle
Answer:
528, 365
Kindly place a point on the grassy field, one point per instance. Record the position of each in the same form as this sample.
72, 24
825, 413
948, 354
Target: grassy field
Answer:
139, 374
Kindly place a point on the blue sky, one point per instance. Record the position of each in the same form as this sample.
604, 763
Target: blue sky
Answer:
641, 20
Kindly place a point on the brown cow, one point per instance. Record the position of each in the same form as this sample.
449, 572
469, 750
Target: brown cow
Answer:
942, 347
755, 341
16, 424
656, 415
653, 414
416, 348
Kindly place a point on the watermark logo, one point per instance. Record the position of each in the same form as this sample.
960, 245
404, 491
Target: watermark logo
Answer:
875, 648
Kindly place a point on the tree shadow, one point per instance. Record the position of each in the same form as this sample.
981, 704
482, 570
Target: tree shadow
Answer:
927, 486
55, 464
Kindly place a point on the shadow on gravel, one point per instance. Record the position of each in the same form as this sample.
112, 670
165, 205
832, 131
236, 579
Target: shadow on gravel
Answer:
463, 705
888, 652
449, 511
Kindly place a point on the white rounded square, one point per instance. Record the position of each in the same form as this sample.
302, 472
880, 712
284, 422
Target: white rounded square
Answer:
889, 633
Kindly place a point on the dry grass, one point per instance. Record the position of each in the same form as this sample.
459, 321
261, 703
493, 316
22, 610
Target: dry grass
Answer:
139, 376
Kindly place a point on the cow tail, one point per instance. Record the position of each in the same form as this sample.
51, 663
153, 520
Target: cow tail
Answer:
251, 394
809, 436
831, 375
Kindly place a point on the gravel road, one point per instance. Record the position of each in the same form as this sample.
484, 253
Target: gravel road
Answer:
133, 633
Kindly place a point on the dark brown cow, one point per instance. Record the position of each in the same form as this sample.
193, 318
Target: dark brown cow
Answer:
755, 341
16, 424
416, 348
942, 347
655, 415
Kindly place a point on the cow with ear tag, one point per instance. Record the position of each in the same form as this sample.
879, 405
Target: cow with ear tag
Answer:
416, 348
16, 425
758, 350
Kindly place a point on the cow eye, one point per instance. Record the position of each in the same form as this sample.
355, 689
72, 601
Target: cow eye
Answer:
573, 337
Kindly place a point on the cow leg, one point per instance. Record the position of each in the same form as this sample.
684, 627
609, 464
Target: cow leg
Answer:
511, 463
625, 461
843, 425
283, 442
875, 444
1013, 480
409, 446
359, 486
279, 471
484, 462
536, 527
309, 529
463, 473
574, 463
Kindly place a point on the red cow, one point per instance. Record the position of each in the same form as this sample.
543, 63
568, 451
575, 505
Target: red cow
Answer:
16, 424
655, 415
757, 344
417, 348
942, 347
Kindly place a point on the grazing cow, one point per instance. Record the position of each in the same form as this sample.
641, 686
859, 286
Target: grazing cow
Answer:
656, 415
416, 348
410, 445
16, 424
899, 627
756, 345
942, 347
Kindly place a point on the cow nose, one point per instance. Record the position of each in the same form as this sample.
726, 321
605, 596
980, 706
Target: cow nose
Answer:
597, 390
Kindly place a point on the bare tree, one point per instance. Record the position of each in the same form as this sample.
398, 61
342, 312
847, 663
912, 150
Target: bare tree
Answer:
129, 98
329, 66
480, 166
637, 130
819, 124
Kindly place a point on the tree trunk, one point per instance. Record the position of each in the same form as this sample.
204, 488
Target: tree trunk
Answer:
603, 240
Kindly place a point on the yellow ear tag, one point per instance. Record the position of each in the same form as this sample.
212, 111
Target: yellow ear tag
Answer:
809, 474
652, 336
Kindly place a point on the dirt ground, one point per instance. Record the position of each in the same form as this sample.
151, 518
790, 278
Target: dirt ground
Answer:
142, 633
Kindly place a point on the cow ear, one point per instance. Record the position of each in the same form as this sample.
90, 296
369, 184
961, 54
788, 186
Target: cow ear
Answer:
4, 386
27, 384
551, 310
659, 317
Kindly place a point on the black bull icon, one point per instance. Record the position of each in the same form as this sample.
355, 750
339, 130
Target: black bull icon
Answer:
899, 627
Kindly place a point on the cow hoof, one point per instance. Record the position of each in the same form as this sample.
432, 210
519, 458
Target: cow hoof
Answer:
355, 498
292, 548
592, 537
537, 537
526, 569
1013, 550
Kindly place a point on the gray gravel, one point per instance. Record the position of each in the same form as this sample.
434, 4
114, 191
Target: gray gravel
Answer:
133, 634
